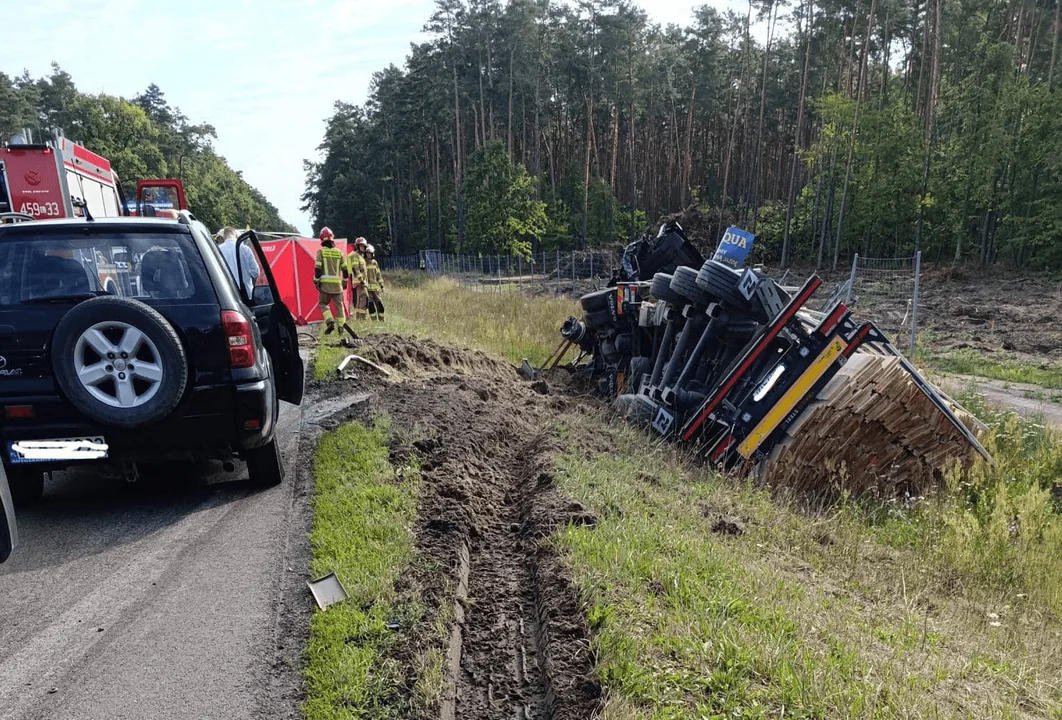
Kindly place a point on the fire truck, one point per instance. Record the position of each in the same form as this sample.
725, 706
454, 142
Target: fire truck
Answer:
62, 179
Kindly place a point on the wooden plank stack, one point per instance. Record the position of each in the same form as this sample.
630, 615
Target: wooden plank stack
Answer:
870, 432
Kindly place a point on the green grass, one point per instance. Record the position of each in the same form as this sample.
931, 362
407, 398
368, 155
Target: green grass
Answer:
1007, 369
944, 607
363, 514
862, 612
509, 325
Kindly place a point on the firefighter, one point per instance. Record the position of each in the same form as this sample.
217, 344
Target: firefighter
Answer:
374, 284
356, 268
329, 273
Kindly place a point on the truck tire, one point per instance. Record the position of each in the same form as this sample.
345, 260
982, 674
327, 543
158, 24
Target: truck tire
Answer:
660, 288
597, 320
636, 409
721, 281
265, 467
639, 366
27, 485
119, 362
684, 282
597, 301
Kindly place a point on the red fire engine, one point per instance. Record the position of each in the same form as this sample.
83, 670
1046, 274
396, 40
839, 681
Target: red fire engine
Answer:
62, 179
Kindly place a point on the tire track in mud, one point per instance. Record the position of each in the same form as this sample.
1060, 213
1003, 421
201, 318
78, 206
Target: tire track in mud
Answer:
518, 646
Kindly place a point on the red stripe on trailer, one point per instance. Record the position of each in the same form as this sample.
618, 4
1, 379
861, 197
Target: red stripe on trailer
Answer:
857, 340
779, 323
827, 325
721, 447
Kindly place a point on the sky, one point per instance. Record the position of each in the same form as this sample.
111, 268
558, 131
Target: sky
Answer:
264, 73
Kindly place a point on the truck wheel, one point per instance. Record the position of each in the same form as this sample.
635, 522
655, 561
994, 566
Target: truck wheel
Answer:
264, 465
598, 319
27, 485
636, 409
660, 288
684, 282
721, 281
119, 362
639, 366
596, 301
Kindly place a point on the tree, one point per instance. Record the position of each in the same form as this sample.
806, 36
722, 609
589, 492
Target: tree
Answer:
503, 215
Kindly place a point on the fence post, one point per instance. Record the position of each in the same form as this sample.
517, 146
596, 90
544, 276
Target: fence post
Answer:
573, 268
851, 281
591, 264
914, 307
543, 270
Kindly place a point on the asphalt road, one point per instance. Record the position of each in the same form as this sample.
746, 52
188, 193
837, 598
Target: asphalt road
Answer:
149, 600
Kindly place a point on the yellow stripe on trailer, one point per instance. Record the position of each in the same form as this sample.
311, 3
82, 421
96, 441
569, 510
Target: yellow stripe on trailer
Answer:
792, 396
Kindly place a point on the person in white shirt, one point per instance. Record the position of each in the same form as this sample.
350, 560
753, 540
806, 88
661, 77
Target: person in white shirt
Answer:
248, 262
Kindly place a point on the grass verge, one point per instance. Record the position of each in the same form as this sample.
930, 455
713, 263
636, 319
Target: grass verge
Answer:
709, 597
510, 325
1007, 369
363, 514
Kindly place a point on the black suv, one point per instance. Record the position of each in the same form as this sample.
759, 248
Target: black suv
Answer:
127, 340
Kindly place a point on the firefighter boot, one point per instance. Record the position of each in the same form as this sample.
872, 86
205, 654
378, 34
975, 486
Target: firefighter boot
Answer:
330, 326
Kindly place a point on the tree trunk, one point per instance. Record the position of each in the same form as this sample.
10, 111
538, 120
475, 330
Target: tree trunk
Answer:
586, 165
852, 139
757, 158
827, 216
512, 55
1054, 46
457, 167
798, 136
931, 114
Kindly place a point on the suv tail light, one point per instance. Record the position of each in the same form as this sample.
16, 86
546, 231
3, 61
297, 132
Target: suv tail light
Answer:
239, 337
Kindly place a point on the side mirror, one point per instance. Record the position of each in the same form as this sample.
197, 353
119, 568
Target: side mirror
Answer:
8, 531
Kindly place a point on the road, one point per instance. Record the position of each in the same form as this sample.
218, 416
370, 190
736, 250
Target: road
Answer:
159, 599
1026, 400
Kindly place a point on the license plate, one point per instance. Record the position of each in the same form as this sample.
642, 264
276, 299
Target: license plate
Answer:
22, 452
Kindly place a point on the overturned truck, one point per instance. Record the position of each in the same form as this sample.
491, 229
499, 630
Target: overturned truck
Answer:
726, 360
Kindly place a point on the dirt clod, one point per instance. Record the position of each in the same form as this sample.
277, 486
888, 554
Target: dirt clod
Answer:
728, 526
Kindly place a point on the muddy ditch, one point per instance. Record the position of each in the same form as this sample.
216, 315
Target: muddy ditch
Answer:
516, 644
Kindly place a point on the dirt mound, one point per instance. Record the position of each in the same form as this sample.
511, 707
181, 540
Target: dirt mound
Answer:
417, 358
518, 644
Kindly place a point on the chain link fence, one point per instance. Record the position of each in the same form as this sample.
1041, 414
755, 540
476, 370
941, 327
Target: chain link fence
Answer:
560, 273
884, 290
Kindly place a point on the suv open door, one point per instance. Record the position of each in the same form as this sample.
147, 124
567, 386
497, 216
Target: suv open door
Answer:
273, 318
8, 532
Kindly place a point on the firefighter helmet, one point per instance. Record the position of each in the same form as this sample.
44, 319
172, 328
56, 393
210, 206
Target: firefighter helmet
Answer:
326, 234
361, 242
370, 249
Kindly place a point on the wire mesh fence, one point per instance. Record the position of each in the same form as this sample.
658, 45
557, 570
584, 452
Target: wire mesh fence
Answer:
886, 291
570, 272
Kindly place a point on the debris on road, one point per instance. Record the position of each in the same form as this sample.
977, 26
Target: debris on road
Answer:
327, 590
359, 359
727, 360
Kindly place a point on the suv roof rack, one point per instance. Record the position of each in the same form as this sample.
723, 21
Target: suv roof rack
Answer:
14, 217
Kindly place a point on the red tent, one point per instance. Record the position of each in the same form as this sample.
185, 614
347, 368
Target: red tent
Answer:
291, 260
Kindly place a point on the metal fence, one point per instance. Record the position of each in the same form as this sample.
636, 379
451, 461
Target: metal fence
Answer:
885, 290
568, 272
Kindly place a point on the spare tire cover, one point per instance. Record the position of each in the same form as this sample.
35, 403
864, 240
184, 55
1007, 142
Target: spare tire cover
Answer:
119, 362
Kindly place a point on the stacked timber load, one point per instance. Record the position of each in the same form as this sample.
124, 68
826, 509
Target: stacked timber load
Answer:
872, 431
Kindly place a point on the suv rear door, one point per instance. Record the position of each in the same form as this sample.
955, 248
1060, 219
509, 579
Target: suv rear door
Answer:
273, 318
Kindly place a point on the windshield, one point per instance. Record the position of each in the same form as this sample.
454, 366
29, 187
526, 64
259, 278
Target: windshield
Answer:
145, 266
